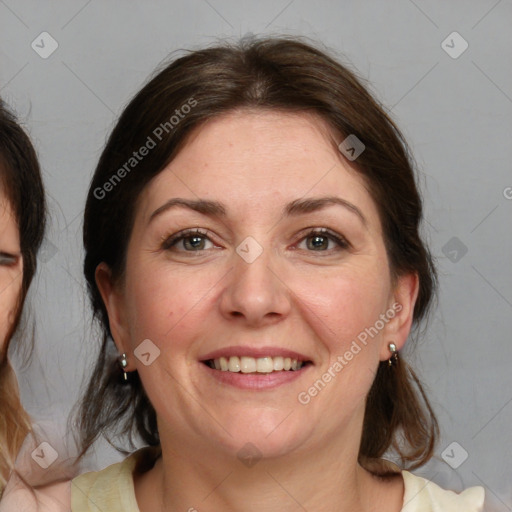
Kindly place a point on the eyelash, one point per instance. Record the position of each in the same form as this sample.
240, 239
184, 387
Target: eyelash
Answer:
340, 241
7, 260
183, 235
171, 241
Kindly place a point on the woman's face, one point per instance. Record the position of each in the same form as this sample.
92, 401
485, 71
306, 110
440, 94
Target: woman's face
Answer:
259, 244
11, 270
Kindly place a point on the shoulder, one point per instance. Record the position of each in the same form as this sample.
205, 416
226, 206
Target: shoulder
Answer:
42, 473
19, 495
422, 495
111, 488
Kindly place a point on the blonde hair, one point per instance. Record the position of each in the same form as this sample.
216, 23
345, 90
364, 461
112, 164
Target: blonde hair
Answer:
21, 182
15, 423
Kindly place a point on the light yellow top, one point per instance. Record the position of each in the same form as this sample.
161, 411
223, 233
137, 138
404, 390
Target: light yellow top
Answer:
112, 490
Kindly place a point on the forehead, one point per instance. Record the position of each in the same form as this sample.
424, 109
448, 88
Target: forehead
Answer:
5, 203
253, 157
8, 224
259, 140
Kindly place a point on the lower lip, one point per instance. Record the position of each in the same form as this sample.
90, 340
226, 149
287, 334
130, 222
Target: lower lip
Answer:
256, 381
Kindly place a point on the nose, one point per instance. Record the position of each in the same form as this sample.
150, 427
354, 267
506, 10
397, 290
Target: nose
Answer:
255, 293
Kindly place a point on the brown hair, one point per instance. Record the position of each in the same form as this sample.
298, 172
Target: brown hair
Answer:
279, 74
20, 178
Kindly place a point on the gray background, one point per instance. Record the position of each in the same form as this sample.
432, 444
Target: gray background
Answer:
456, 114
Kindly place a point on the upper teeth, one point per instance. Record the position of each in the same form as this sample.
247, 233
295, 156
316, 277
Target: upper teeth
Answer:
256, 365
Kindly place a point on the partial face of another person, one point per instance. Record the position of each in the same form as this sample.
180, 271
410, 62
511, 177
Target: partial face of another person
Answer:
278, 259
11, 270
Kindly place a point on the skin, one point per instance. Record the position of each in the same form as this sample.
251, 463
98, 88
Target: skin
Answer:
294, 295
11, 270
18, 495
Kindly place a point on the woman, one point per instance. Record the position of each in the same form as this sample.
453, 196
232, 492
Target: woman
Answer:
252, 249
22, 221
22, 224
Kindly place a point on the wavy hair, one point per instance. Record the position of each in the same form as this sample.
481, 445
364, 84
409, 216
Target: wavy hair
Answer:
277, 74
21, 182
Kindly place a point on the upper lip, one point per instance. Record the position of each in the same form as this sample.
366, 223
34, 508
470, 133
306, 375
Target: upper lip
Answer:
256, 352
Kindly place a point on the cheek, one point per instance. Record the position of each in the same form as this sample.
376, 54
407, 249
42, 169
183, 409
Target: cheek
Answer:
166, 305
341, 312
342, 305
10, 286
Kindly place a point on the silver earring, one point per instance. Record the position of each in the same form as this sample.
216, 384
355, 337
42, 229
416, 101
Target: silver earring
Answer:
123, 361
394, 354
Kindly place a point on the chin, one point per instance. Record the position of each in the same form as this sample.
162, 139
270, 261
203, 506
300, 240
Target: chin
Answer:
268, 434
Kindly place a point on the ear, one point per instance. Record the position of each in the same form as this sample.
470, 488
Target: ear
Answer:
114, 304
401, 306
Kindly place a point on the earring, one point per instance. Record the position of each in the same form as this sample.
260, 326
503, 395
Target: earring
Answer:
394, 354
123, 361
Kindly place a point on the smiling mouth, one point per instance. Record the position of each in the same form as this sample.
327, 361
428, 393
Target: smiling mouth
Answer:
246, 364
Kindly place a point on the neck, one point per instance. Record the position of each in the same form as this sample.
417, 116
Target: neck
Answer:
326, 477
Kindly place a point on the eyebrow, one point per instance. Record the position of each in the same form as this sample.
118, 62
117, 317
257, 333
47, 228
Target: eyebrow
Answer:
204, 206
300, 206
297, 207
